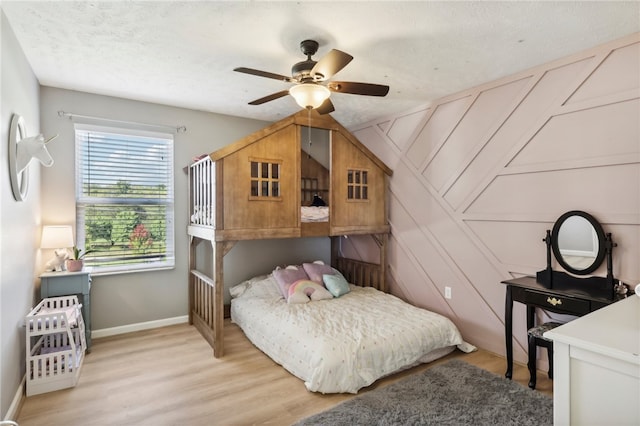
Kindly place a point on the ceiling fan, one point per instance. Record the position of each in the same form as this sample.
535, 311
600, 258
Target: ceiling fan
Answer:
311, 86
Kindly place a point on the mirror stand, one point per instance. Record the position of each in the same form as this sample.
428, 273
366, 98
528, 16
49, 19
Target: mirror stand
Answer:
545, 277
593, 286
608, 246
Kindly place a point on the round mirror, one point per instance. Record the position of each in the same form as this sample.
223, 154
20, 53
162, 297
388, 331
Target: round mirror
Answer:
577, 240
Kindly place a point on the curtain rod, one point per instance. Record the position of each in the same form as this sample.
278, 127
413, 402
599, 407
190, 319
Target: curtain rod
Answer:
71, 116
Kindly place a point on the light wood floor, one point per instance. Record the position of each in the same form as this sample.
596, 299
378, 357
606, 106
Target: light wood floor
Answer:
168, 376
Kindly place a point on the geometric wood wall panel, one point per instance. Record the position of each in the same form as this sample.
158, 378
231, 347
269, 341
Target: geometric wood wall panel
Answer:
420, 246
598, 132
406, 274
384, 126
379, 144
505, 241
402, 128
489, 106
618, 73
480, 176
436, 130
517, 127
557, 191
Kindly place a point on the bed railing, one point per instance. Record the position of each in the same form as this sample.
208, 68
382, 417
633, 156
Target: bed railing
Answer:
202, 175
361, 273
204, 306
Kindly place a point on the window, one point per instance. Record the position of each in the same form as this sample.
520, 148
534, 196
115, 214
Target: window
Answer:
309, 188
124, 199
357, 185
265, 179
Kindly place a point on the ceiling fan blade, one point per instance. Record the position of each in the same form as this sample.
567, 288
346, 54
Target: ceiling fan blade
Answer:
326, 107
270, 97
263, 74
330, 64
358, 88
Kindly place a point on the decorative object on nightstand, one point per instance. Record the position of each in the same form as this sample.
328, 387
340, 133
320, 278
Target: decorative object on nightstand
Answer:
59, 238
76, 263
70, 283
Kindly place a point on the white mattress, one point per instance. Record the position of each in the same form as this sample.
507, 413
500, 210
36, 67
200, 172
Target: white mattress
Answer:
342, 344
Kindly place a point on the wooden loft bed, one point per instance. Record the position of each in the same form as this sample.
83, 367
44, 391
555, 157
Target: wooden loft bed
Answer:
255, 188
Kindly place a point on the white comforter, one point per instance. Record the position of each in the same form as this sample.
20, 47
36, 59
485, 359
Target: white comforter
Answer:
314, 214
342, 344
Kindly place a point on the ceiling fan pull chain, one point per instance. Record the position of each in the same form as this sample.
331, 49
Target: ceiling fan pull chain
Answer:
309, 131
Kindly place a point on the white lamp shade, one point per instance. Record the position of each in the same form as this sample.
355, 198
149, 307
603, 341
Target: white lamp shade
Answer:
54, 237
309, 95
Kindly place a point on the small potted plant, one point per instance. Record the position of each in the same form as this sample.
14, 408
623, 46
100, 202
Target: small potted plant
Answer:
76, 263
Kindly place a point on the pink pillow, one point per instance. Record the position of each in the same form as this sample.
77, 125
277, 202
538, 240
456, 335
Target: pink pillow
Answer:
288, 276
317, 270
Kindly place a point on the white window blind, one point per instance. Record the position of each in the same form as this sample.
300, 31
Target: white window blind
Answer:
124, 199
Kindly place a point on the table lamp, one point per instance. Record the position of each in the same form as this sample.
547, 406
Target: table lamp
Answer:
59, 238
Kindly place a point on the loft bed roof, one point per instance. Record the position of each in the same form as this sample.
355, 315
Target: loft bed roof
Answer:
302, 118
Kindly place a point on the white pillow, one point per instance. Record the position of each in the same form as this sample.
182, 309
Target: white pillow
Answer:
263, 286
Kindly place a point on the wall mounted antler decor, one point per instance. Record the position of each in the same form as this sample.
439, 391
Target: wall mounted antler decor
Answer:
22, 150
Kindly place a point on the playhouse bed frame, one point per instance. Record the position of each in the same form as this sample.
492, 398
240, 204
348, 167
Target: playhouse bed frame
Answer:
253, 189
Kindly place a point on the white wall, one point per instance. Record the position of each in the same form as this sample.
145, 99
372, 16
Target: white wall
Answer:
19, 221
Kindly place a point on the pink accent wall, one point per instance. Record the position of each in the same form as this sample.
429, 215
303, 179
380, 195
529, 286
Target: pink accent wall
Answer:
480, 175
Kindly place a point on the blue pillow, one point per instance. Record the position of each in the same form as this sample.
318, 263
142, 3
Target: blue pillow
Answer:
336, 284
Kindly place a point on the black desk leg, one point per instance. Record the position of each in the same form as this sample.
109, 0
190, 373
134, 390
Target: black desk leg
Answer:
508, 331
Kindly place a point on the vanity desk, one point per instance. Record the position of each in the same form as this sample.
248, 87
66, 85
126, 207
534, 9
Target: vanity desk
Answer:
579, 245
534, 295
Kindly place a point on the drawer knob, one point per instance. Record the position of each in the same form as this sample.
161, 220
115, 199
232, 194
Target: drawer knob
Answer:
553, 301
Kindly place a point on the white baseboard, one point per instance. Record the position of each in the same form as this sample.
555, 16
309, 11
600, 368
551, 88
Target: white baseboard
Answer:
130, 328
14, 408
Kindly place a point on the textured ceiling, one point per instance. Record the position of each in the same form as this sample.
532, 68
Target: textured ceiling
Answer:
183, 53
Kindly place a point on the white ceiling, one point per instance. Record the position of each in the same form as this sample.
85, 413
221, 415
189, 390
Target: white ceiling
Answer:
183, 53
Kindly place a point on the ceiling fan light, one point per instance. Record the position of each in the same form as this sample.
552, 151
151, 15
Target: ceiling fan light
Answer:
309, 95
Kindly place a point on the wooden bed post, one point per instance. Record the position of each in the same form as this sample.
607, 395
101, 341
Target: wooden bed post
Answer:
335, 251
191, 281
381, 240
382, 243
218, 298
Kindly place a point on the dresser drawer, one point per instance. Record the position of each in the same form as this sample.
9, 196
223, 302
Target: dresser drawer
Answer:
558, 303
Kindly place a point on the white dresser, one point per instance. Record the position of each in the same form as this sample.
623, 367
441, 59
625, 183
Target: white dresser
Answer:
597, 367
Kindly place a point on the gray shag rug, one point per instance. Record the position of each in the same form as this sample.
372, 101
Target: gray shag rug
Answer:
454, 393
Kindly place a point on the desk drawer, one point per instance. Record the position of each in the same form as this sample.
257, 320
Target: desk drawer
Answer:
558, 303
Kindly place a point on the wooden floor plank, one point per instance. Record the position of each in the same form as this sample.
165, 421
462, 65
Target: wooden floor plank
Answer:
168, 376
